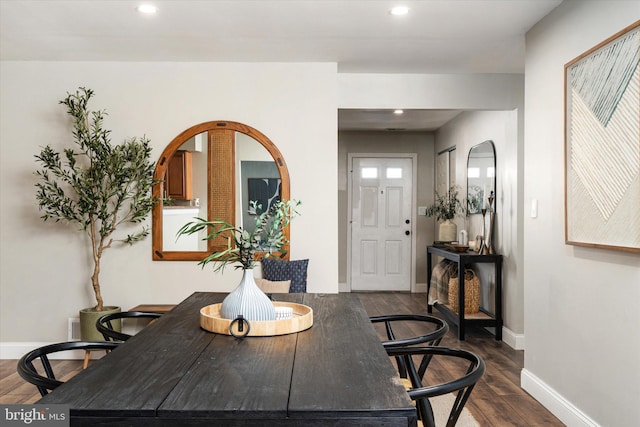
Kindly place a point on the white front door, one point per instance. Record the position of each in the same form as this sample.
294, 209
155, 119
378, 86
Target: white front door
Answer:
381, 228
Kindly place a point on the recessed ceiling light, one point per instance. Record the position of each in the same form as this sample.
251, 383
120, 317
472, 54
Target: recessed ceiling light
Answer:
147, 9
399, 10
398, 112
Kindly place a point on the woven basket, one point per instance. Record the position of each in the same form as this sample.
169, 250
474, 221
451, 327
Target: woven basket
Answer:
471, 292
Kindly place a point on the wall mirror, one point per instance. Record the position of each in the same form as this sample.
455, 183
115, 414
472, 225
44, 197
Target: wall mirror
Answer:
481, 176
212, 170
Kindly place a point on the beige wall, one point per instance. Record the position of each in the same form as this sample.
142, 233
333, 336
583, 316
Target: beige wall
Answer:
45, 268
581, 304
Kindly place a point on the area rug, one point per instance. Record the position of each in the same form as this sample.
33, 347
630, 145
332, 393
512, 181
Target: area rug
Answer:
442, 406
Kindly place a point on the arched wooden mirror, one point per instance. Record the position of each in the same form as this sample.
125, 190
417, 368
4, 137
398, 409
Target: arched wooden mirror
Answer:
211, 171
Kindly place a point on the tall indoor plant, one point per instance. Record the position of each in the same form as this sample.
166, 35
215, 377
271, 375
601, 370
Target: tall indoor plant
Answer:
445, 208
96, 186
267, 239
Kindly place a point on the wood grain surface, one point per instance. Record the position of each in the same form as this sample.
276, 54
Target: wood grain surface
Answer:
174, 372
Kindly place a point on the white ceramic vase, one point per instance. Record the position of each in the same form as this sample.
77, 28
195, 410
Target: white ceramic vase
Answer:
448, 231
248, 300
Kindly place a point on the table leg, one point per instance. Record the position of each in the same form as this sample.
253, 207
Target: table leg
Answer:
87, 354
429, 272
498, 303
461, 326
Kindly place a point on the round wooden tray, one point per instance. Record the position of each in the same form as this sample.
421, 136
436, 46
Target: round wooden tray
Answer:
211, 320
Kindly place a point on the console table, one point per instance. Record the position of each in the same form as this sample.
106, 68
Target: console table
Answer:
460, 319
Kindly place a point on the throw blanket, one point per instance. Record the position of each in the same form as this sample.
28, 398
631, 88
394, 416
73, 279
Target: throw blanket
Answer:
442, 272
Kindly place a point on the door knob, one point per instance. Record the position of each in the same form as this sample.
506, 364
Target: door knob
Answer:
407, 232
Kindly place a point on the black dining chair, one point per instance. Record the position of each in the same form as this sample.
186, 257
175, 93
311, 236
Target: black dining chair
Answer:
421, 389
105, 323
409, 330
48, 381
436, 328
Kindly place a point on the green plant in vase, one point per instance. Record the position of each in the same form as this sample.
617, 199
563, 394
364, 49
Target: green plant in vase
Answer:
265, 240
97, 186
445, 208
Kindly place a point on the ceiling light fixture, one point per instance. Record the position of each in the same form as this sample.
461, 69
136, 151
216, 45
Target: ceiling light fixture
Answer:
147, 9
399, 10
398, 112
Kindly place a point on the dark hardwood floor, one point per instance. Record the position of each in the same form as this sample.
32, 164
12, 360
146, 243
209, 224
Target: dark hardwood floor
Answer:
496, 401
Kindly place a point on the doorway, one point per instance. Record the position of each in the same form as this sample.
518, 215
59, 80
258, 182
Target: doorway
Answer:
381, 242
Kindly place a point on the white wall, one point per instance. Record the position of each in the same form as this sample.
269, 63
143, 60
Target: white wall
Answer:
463, 132
581, 304
431, 91
45, 268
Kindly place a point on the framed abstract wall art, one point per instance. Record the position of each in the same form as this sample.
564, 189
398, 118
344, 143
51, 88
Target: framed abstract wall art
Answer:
264, 191
602, 144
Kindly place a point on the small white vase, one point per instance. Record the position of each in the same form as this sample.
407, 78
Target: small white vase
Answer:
448, 231
248, 300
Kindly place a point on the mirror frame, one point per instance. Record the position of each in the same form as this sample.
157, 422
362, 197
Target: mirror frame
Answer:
161, 167
493, 148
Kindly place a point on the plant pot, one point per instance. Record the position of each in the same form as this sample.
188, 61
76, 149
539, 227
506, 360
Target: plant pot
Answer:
88, 319
248, 300
448, 231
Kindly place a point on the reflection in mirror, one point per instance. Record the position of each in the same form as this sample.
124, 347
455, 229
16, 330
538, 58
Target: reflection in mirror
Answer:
258, 179
481, 176
185, 194
212, 171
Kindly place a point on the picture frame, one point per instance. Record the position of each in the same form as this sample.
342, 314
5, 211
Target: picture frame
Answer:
602, 144
264, 191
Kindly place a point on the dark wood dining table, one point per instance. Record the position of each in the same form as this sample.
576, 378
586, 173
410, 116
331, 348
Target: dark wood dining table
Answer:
173, 373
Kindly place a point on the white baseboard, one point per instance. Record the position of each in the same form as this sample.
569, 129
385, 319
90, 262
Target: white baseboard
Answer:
554, 402
421, 288
15, 350
513, 340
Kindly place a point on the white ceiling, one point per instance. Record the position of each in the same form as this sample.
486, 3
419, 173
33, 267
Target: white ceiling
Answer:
437, 36
410, 120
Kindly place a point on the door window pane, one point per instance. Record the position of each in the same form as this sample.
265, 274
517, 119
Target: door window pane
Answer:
394, 173
369, 173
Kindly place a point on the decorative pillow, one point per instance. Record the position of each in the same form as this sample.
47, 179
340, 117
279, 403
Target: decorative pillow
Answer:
271, 287
278, 270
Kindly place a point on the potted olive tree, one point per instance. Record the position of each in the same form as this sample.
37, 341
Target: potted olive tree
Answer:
98, 187
445, 209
